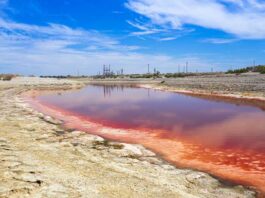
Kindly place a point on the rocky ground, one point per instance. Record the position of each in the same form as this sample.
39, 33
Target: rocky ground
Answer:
245, 85
39, 158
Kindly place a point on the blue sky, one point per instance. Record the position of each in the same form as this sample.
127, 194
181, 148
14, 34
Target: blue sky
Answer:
70, 36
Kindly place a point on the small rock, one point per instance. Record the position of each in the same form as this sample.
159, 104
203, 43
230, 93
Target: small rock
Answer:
76, 133
167, 167
66, 144
28, 177
51, 120
132, 149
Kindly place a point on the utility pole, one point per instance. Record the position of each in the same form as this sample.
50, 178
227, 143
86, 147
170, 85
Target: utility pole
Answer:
187, 67
148, 68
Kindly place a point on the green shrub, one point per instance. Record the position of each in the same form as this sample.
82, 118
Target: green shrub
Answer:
238, 71
259, 69
176, 75
156, 75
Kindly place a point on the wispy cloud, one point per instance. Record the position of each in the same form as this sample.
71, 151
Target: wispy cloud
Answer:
144, 29
59, 49
243, 18
58, 34
155, 32
168, 39
220, 40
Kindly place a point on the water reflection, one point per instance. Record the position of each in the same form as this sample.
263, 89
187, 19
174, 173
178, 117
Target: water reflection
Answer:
214, 133
107, 90
215, 124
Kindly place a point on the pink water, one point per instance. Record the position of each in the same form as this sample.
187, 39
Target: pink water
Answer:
223, 139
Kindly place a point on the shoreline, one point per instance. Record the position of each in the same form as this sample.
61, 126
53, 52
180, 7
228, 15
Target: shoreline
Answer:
164, 85
53, 122
224, 86
225, 97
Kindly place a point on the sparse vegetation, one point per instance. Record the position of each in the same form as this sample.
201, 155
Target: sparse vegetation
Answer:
111, 76
182, 75
175, 75
259, 69
107, 143
118, 146
6, 77
64, 76
150, 75
238, 71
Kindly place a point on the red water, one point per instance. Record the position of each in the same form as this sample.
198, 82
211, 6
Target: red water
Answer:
223, 139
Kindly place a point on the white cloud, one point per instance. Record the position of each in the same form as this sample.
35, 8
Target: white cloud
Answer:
144, 29
168, 39
219, 40
156, 33
242, 18
59, 49
56, 33
28, 60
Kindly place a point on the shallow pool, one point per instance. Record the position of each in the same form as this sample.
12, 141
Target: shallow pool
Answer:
221, 138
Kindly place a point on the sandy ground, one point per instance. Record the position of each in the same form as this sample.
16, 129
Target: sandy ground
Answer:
41, 159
